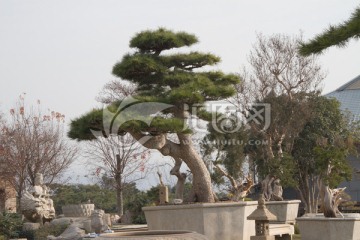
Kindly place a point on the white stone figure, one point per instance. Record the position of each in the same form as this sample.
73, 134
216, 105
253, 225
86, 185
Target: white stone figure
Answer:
36, 204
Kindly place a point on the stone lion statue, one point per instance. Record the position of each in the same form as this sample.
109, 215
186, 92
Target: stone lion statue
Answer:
97, 221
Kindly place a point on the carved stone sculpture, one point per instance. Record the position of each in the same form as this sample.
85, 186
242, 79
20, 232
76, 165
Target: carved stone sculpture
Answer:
36, 204
97, 221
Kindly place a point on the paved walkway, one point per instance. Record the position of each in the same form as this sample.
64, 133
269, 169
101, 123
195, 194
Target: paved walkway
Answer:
129, 227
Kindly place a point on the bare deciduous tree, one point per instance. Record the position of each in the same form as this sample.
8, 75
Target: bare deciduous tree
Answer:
116, 90
34, 143
280, 76
121, 158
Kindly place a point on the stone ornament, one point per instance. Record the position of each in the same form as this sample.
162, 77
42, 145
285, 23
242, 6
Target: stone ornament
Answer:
262, 217
78, 210
97, 221
36, 204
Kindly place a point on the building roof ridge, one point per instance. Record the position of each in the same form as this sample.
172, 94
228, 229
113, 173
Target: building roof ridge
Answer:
347, 85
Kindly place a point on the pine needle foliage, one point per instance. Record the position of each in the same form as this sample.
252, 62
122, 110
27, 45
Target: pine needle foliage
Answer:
163, 77
338, 35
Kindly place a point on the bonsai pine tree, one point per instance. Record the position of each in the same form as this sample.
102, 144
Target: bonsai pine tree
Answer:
169, 92
334, 36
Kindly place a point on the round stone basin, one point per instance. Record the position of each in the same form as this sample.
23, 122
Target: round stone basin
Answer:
158, 235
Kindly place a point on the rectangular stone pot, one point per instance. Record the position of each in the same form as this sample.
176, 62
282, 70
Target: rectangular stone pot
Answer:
285, 211
214, 220
317, 227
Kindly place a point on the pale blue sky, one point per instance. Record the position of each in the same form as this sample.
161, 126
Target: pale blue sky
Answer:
62, 51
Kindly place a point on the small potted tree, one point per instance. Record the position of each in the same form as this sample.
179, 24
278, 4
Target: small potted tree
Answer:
332, 139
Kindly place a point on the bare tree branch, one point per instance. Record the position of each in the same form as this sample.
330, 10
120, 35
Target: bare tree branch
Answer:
33, 142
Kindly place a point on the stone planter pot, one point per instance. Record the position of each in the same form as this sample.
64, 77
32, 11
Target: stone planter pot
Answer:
285, 211
153, 235
317, 227
214, 220
78, 210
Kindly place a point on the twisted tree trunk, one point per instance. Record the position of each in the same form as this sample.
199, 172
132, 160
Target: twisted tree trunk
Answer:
202, 188
331, 199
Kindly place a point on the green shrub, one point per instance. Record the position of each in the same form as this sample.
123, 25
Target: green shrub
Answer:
28, 234
43, 232
140, 200
10, 225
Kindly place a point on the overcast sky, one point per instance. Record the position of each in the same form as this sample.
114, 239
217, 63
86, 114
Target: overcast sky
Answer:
62, 51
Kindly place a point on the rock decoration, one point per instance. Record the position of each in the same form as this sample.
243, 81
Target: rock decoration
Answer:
36, 204
70, 233
78, 210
